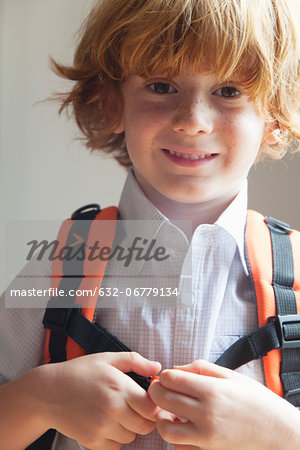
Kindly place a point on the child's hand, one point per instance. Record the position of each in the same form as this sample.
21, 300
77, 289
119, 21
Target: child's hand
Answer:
91, 400
221, 410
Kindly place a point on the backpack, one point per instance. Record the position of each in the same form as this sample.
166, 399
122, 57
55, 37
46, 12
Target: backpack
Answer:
273, 260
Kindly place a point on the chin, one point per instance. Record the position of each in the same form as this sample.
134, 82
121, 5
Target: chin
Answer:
190, 196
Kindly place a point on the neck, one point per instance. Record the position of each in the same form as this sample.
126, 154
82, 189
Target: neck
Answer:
191, 214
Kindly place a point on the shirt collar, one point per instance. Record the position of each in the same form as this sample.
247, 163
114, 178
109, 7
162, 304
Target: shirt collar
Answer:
134, 205
138, 212
233, 220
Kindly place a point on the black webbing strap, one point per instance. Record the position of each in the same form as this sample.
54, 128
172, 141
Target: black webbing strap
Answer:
92, 337
283, 331
44, 442
66, 320
252, 346
283, 280
72, 269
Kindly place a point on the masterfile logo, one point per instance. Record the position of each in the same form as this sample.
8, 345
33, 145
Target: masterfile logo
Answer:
139, 250
139, 263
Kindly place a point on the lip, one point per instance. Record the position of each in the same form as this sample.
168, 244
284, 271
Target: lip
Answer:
187, 150
184, 162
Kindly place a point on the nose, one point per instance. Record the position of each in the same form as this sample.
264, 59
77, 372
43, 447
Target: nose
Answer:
192, 116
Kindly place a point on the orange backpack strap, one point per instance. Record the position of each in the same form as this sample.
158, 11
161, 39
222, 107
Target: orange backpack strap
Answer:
273, 251
70, 320
72, 273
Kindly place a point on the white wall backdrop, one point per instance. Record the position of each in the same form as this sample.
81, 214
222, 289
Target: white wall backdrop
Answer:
45, 173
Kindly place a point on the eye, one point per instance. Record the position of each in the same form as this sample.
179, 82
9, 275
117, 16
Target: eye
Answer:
227, 92
162, 88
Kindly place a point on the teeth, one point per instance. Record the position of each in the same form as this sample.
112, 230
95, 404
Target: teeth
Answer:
188, 156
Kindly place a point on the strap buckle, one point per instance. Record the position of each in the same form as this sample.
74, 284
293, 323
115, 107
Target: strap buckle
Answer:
290, 394
57, 318
86, 212
278, 225
287, 330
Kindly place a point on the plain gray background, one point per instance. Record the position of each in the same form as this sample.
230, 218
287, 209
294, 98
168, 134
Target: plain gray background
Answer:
45, 172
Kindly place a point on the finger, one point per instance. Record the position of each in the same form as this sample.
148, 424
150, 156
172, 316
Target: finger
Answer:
174, 432
134, 422
202, 367
131, 361
189, 384
181, 405
120, 435
140, 402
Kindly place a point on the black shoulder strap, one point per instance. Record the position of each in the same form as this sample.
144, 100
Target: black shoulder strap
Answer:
45, 442
69, 322
283, 330
92, 337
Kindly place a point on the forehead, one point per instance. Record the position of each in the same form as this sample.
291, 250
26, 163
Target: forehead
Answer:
198, 38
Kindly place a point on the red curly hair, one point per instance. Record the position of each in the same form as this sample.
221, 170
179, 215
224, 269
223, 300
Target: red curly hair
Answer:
256, 40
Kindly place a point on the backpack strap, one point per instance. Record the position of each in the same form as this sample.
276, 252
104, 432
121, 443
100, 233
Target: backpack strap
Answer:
71, 327
273, 251
72, 271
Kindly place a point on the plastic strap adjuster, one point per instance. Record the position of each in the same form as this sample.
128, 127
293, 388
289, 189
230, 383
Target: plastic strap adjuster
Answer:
87, 212
282, 326
290, 394
58, 318
278, 225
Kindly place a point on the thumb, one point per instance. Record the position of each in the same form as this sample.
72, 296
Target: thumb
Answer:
206, 368
132, 362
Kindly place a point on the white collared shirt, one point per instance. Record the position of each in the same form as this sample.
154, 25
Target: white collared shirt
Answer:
215, 306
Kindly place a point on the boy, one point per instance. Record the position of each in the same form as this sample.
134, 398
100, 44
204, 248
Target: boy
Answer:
189, 95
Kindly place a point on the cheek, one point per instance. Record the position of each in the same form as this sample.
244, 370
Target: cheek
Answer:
244, 135
142, 125
140, 113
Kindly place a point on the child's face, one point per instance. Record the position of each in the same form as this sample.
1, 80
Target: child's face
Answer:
193, 114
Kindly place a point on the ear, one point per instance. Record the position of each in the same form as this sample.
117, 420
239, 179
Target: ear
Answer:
113, 108
272, 134
120, 127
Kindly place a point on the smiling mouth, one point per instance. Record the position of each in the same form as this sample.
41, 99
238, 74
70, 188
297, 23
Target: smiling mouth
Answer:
192, 156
